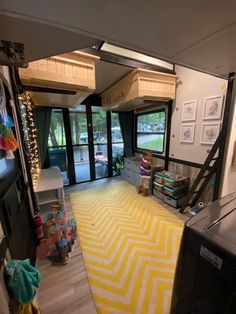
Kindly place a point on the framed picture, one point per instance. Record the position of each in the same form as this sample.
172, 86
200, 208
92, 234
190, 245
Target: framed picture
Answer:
210, 132
189, 110
187, 133
212, 107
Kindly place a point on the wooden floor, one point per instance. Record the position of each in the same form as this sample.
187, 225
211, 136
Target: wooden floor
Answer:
65, 289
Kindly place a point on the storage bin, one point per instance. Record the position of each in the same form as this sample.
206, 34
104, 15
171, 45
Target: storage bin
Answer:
176, 193
159, 178
176, 182
158, 186
158, 194
174, 202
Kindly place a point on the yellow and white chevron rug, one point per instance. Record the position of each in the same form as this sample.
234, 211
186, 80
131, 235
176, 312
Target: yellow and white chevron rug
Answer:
130, 245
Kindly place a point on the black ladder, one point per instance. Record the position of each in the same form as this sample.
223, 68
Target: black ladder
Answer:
204, 176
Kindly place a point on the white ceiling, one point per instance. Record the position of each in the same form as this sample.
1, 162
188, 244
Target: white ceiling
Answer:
107, 74
200, 34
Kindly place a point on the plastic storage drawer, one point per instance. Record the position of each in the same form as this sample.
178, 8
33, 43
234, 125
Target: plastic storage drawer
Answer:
175, 183
158, 186
176, 193
159, 178
158, 194
174, 202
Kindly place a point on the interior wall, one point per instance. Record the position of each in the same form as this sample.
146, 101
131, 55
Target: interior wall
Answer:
193, 85
229, 169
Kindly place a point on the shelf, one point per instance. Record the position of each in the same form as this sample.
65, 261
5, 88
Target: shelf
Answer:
49, 179
73, 72
49, 189
138, 88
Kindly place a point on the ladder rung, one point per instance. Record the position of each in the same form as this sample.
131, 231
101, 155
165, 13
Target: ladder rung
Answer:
205, 176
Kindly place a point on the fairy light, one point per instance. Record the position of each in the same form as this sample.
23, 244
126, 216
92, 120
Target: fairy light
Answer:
30, 135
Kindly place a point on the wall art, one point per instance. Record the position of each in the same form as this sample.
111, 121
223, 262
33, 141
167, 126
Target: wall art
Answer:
187, 133
210, 132
212, 107
189, 110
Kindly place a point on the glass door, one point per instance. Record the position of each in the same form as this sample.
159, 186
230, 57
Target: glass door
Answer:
117, 144
99, 124
85, 143
80, 143
57, 152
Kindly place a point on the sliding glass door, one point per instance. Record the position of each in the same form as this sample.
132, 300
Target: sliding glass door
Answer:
85, 143
80, 142
117, 144
99, 123
57, 151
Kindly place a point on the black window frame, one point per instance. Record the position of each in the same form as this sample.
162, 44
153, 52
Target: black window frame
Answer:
140, 149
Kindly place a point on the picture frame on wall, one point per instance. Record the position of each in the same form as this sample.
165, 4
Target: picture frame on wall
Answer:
189, 110
212, 108
187, 132
210, 132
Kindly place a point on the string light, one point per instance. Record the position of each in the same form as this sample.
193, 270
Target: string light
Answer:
30, 135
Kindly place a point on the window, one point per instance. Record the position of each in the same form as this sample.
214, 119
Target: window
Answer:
150, 129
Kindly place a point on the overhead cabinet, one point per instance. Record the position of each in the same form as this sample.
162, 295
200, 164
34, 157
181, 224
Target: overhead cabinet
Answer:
138, 87
60, 81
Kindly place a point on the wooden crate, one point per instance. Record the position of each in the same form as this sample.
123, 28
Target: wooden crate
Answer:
139, 86
72, 72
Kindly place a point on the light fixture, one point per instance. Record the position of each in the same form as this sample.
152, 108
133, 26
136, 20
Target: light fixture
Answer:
106, 47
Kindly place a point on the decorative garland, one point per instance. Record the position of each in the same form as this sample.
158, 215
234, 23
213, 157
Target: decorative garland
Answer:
30, 135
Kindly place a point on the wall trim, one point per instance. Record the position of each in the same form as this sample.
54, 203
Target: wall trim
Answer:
186, 162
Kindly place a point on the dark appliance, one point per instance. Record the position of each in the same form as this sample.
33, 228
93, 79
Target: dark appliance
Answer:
205, 277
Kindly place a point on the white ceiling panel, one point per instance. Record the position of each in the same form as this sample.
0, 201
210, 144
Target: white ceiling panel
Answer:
108, 74
41, 40
161, 28
216, 54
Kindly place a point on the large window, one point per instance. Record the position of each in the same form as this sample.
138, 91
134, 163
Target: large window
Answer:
151, 131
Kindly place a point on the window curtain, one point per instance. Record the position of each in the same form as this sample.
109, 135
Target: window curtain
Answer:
42, 118
126, 124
